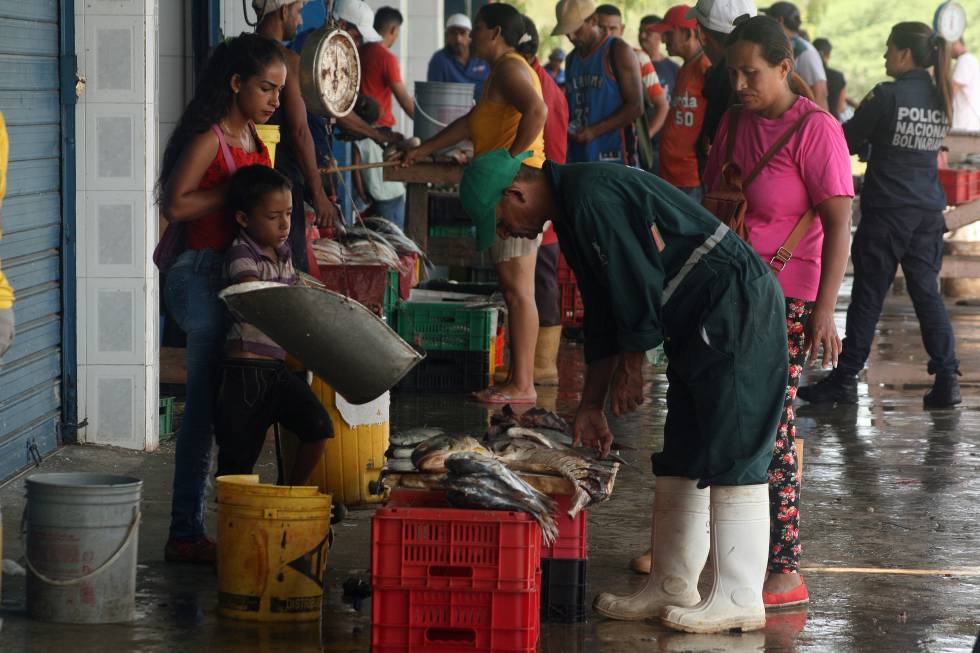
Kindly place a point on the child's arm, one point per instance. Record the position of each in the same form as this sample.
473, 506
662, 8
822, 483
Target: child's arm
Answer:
240, 265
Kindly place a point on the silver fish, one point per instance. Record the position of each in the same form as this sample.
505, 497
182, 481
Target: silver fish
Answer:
412, 437
431, 455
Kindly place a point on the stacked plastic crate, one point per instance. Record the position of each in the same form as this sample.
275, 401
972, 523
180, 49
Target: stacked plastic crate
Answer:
572, 308
449, 579
564, 567
460, 342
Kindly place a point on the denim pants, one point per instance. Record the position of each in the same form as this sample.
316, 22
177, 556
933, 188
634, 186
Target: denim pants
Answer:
393, 211
191, 294
884, 240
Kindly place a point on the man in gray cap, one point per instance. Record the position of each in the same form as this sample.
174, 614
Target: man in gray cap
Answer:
809, 65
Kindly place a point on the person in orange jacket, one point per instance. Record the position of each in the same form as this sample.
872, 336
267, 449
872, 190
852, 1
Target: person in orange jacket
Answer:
6, 292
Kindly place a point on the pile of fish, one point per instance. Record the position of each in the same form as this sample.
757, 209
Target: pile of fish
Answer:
536, 442
375, 241
476, 480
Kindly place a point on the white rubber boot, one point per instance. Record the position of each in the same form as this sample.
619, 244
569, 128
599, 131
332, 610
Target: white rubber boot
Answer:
680, 548
740, 552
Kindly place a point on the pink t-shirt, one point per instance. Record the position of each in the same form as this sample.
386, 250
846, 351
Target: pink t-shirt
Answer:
812, 167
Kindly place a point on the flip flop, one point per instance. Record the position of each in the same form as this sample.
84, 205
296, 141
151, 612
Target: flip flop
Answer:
495, 397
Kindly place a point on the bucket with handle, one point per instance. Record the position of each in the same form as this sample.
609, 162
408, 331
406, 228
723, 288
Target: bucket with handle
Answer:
439, 103
81, 532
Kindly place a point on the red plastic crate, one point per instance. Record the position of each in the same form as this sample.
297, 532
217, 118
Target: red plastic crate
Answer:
449, 548
420, 621
974, 184
572, 308
565, 273
958, 185
572, 542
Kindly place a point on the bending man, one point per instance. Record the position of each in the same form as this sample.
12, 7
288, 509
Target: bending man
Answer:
653, 266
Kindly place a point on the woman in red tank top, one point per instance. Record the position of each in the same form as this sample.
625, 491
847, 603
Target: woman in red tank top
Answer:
239, 87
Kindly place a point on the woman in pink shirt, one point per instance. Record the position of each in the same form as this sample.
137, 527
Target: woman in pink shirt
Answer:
812, 171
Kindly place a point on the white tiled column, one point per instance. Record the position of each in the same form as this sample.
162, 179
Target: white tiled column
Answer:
117, 223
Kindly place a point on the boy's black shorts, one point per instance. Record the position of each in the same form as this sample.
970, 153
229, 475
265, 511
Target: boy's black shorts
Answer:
254, 395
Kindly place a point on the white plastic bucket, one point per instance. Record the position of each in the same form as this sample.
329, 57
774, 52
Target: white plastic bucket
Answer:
439, 103
81, 533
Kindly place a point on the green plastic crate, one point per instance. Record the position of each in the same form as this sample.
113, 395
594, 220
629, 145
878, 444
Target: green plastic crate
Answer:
166, 418
446, 326
452, 231
391, 296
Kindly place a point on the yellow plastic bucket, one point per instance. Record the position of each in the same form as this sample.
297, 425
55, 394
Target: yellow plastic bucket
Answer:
245, 490
352, 459
270, 136
271, 560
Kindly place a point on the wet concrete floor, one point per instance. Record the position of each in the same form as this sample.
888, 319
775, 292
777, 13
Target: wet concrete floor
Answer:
892, 542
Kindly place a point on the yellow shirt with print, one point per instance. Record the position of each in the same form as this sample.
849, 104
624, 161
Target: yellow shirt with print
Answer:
6, 292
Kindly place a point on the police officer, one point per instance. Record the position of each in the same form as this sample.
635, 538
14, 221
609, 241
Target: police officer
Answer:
653, 266
904, 122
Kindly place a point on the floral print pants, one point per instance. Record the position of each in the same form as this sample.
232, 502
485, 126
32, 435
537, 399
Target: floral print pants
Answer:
784, 481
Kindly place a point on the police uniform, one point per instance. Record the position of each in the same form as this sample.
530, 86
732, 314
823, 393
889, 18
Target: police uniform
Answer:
903, 124
653, 266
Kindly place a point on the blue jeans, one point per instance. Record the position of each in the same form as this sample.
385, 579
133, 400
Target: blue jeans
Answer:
191, 294
393, 211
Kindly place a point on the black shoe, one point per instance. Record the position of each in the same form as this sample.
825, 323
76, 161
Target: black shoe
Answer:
945, 391
835, 388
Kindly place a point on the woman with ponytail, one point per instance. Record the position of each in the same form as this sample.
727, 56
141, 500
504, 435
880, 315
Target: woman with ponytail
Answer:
904, 123
216, 135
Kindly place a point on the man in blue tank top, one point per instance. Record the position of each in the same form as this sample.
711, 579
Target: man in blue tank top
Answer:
602, 84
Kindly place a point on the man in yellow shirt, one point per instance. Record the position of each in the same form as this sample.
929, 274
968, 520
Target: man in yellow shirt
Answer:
6, 292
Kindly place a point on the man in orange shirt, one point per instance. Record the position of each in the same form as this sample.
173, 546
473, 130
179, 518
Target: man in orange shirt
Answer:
678, 146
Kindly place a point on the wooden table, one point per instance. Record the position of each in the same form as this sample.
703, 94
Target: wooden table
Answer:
419, 180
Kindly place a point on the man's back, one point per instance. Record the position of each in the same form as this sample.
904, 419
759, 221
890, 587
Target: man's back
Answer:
379, 70
678, 146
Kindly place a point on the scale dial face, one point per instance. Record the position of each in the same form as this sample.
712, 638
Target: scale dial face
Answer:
950, 21
330, 73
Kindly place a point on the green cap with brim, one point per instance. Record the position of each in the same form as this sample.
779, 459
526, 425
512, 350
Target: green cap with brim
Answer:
484, 181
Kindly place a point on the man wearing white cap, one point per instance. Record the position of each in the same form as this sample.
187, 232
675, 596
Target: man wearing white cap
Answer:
716, 20
455, 62
357, 19
296, 156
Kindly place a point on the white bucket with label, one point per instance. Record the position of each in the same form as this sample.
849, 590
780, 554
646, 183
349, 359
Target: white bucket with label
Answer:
81, 532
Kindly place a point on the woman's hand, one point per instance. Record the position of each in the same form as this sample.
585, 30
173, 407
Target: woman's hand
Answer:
592, 430
821, 331
413, 155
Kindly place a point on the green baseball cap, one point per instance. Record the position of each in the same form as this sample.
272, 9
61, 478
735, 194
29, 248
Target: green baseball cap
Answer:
484, 181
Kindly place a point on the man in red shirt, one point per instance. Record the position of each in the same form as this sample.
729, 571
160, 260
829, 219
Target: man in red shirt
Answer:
678, 144
380, 75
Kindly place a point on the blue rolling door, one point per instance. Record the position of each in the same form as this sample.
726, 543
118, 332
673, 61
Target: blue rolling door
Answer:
31, 247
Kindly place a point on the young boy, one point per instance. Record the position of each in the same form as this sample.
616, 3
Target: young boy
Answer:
384, 198
257, 390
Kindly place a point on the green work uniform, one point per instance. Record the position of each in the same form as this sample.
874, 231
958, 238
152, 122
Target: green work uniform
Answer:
654, 266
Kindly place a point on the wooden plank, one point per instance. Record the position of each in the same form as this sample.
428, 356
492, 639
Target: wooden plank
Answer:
173, 365
28, 73
34, 142
426, 172
30, 108
28, 38
963, 215
963, 142
37, 10
417, 214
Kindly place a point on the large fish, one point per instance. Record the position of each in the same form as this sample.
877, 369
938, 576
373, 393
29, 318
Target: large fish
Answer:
593, 480
413, 437
431, 455
477, 480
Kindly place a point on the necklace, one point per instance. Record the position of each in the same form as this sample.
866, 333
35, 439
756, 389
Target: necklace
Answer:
244, 137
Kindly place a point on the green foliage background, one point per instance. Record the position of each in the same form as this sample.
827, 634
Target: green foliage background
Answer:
857, 29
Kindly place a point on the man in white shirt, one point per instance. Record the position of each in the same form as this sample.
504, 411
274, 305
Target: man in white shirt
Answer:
809, 65
966, 89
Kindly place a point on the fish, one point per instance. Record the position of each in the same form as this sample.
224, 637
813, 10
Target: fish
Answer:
400, 453
592, 480
431, 455
412, 437
480, 480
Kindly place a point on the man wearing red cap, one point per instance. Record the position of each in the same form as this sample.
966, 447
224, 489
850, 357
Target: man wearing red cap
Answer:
678, 145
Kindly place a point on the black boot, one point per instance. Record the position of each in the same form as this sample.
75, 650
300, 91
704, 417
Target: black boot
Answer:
835, 388
945, 391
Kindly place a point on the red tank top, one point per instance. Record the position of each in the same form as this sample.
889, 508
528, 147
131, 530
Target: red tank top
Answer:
217, 230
